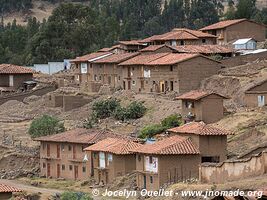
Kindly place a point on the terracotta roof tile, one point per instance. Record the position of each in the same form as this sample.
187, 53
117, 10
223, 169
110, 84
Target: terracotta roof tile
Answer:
254, 85
223, 24
199, 128
179, 34
171, 145
14, 69
116, 58
114, 145
6, 188
90, 56
107, 49
131, 42
196, 95
205, 49
172, 58
80, 136
152, 48
143, 59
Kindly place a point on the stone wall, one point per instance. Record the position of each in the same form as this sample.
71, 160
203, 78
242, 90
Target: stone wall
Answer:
233, 170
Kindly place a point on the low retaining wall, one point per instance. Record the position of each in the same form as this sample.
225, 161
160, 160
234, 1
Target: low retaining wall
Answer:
23, 95
233, 170
242, 60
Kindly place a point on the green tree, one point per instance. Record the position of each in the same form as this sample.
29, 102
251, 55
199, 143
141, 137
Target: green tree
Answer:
172, 121
245, 9
45, 125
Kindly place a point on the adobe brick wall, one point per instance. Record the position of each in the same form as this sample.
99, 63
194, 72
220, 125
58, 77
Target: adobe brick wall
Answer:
251, 100
72, 102
244, 59
233, 170
22, 96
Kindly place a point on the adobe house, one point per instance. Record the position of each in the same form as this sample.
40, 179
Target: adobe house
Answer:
202, 106
6, 191
112, 157
256, 96
107, 71
164, 72
169, 160
211, 141
132, 45
181, 36
13, 76
231, 30
82, 66
62, 155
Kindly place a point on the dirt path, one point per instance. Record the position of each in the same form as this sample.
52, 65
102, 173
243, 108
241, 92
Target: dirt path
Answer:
44, 192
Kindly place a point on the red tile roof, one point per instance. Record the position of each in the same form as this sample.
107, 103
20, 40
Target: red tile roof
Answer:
7, 189
14, 69
131, 42
115, 146
90, 56
196, 95
199, 128
143, 59
116, 58
173, 58
107, 49
254, 85
152, 48
80, 136
179, 34
205, 49
171, 145
223, 24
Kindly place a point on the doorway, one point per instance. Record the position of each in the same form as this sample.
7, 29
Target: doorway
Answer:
58, 170
76, 172
129, 85
144, 182
48, 174
162, 86
11, 80
124, 85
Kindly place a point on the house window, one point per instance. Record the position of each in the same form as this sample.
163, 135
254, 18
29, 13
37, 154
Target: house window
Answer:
44, 146
62, 147
189, 104
102, 160
95, 77
203, 40
171, 85
150, 159
151, 179
100, 78
69, 147
133, 68
261, 100
119, 78
171, 68
83, 68
44, 165
110, 157
84, 169
173, 43
133, 82
182, 42
139, 158
63, 167
211, 159
70, 167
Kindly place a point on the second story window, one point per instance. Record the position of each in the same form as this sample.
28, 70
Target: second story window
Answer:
70, 167
171, 68
102, 160
83, 68
69, 147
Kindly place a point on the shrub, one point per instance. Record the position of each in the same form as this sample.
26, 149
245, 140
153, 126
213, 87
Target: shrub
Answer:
75, 196
90, 121
120, 113
105, 108
172, 121
45, 125
151, 130
135, 110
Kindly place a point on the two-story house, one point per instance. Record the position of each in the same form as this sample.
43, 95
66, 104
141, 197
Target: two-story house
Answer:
167, 161
211, 141
203, 106
62, 155
163, 72
112, 157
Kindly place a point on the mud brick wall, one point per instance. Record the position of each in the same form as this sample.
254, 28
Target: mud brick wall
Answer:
233, 170
72, 102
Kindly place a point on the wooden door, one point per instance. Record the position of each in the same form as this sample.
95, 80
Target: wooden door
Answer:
76, 172
74, 151
144, 181
58, 151
124, 85
129, 85
58, 170
48, 174
48, 150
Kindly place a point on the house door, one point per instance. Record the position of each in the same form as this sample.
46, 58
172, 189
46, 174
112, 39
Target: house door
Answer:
58, 170
162, 86
144, 181
58, 151
48, 173
261, 101
124, 85
48, 150
75, 172
129, 85
11, 80
74, 151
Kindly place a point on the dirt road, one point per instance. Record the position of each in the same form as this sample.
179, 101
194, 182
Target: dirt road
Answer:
44, 192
